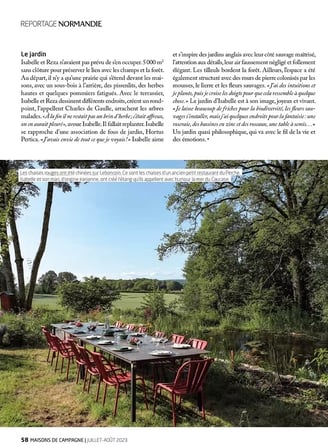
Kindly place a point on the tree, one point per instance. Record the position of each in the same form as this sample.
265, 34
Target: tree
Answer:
215, 272
319, 279
153, 305
92, 293
144, 284
285, 204
13, 197
48, 282
225, 270
64, 277
173, 285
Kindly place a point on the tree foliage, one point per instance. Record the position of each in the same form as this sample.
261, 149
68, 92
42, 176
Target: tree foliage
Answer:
146, 285
48, 282
252, 237
153, 305
91, 294
14, 196
66, 276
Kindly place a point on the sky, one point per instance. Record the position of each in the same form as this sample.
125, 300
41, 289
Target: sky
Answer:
107, 230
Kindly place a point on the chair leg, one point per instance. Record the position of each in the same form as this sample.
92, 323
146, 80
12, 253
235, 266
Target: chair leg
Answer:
154, 398
57, 357
98, 389
116, 399
53, 356
173, 399
85, 380
105, 393
68, 366
89, 383
78, 368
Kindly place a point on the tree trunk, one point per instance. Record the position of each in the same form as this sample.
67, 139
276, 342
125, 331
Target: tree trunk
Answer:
18, 260
299, 276
42, 246
4, 242
6, 261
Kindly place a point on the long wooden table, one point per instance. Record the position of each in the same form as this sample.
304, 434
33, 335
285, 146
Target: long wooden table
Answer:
134, 357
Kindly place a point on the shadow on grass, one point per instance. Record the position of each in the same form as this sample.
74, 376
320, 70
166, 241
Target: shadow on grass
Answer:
11, 360
231, 399
239, 399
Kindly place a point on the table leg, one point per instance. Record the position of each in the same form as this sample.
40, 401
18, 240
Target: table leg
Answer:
133, 392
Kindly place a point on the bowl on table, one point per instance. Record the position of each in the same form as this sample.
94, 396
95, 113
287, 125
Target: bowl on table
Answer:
124, 336
108, 333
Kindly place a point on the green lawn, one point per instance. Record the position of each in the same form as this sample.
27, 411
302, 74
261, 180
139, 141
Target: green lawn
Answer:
128, 300
132, 300
32, 394
46, 301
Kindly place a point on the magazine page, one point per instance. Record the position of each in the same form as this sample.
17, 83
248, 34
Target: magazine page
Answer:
173, 127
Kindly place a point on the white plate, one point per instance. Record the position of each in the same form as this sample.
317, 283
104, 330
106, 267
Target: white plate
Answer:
105, 342
181, 346
163, 340
122, 349
92, 337
156, 339
161, 353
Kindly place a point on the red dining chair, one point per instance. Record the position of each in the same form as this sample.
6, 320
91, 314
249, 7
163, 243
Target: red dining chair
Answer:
52, 349
116, 378
171, 365
189, 380
158, 334
177, 338
142, 329
79, 359
130, 327
197, 343
119, 324
64, 351
90, 370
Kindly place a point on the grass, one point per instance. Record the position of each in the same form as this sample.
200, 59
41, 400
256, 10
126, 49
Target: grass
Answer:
132, 300
47, 301
128, 300
32, 394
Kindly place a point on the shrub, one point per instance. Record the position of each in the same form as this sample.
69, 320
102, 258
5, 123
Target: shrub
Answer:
153, 305
24, 330
91, 294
